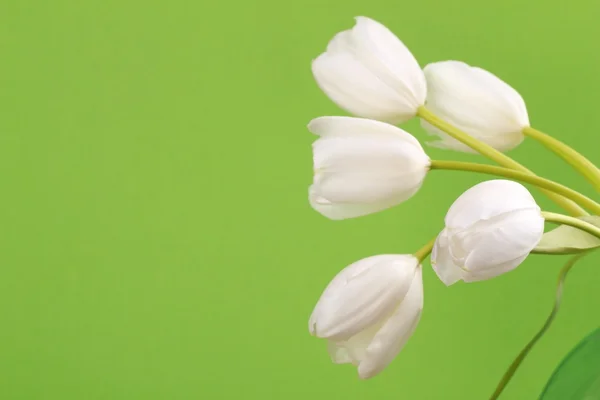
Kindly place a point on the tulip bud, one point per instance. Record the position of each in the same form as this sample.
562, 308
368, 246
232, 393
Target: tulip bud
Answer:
369, 311
363, 166
369, 72
477, 102
490, 229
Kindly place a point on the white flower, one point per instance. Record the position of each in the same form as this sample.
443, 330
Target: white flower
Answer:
490, 229
363, 166
369, 311
369, 72
477, 102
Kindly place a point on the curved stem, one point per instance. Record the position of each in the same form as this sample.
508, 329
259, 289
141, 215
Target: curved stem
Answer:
494, 155
541, 183
584, 166
424, 251
515, 364
571, 221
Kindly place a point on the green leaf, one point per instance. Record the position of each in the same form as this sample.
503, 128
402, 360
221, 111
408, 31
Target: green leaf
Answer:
568, 240
578, 375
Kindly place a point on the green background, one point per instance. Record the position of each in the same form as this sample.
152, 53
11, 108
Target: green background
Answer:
155, 236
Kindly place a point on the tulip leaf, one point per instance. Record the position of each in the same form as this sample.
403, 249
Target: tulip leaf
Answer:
578, 376
568, 240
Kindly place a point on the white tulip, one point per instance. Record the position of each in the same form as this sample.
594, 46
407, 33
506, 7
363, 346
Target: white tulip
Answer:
490, 229
369, 311
363, 166
370, 73
477, 102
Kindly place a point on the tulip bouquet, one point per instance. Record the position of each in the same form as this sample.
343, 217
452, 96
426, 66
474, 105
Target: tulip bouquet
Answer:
366, 163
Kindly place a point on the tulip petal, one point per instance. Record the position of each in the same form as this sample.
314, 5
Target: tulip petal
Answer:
442, 261
475, 98
357, 344
361, 294
363, 166
395, 332
378, 48
341, 211
477, 275
363, 170
352, 126
490, 229
502, 240
342, 43
487, 200
513, 106
477, 102
368, 72
354, 88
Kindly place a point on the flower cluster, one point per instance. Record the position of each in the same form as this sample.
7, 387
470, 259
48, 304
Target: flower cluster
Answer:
365, 164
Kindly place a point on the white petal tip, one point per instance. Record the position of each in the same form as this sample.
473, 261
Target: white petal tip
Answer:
311, 124
328, 212
450, 280
366, 374
448, 275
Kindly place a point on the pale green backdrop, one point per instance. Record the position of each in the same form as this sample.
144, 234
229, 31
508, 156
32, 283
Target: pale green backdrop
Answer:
155, 237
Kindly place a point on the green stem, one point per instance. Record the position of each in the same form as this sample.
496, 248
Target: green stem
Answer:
424, 251
541, 183
494, 155
515, 364
571, 221
584, 166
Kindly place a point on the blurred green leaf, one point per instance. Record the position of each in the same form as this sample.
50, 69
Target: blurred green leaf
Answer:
578, 375
567, 240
